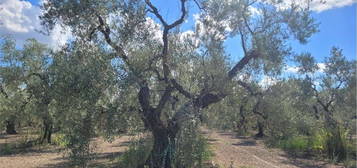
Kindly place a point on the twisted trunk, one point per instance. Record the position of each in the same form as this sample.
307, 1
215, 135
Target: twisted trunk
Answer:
260, 133
10, 127
161, 154
164, 133
164, 142
241, 126
47, 131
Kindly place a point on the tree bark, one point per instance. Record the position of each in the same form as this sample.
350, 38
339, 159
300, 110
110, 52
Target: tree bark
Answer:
241, 126
164, 144
10, 127
47, 131
160, 156
49, 134
260, 133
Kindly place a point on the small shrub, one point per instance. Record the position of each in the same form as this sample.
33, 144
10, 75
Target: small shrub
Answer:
7, 149
296, 145
194, 153
202, 151
336, 144
137, 153
333, 143
317, 142
60, 140
79, 149
192, 148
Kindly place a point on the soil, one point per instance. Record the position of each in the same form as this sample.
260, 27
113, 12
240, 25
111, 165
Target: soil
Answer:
230, 152
52, 157
233, 151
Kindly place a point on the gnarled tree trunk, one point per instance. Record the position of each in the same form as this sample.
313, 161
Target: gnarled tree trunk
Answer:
241, 126
260, 133
160, 155
47, 131
164, 143
10, 127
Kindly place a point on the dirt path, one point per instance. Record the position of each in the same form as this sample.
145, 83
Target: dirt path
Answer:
250, 153
50, 157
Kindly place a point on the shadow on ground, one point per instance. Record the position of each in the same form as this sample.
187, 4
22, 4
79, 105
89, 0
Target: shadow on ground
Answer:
105, 160
299, 162
125, 143
12, 143
246, 143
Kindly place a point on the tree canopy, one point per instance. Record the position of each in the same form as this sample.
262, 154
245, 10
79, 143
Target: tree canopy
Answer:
127, 68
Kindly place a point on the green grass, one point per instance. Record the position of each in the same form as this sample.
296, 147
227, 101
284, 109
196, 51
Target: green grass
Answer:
296, 145
333, 145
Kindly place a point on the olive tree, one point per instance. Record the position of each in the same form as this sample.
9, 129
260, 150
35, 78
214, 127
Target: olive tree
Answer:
26, 70
83, 87
325, 83
128, 30
327, 86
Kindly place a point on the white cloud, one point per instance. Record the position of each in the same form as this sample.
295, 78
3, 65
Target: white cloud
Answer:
323, 5
295, 69
322, 67
154, 29
214, 29
59, 36
267, 81
190, 37
292, 69
20, 20
254, 11
15, 15
316, 5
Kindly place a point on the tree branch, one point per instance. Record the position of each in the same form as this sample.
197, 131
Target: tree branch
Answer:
105, 30
206, 99
198, 5
144, 96
44, 79
256, 111
249, 89
242, 41
240, 65
247, 25
318, 98
166, 30
22, 107
181, 89
3, 91
181, 19
156, 12
164, 98
164, 55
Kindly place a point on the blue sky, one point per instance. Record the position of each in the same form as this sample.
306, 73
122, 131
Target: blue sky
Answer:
337, 27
